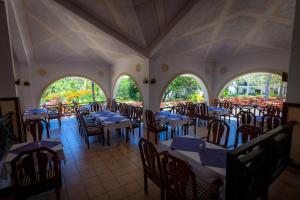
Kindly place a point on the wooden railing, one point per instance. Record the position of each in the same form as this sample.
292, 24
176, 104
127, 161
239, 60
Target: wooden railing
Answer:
252, 167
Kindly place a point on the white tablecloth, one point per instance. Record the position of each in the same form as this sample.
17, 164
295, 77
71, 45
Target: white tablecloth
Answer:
6, 168
105, 117
173, 120
35, 114
216, 111
205, 174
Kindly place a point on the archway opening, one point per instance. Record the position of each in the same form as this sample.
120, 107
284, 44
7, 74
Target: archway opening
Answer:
69, 89
184, 88
127, 91
256, 88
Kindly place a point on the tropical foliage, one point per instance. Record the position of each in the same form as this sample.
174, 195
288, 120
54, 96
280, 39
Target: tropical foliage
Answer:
71, 89
128, 91
183, 88
256, 84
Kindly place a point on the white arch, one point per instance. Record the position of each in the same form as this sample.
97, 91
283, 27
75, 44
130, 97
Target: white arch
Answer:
202, 84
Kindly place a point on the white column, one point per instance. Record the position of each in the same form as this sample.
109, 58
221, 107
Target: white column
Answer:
7, 78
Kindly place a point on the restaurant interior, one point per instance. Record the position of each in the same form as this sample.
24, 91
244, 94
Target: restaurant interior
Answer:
150, 99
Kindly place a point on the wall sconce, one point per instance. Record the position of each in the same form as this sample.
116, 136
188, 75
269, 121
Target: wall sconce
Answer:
153, 81
145, 81
26, 83
18, 82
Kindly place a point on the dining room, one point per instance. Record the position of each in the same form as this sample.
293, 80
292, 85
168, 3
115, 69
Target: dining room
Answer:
149, 99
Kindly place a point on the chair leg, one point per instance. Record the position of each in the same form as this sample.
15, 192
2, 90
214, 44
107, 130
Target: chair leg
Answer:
59, 121
139, 131
87, 141
156, 137
162, 193
195, 128
148, 133
57, 191
145, 184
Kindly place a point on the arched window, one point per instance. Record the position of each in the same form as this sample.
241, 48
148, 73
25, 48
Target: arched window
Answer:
266, 87
184, 88
69, 89
126, 90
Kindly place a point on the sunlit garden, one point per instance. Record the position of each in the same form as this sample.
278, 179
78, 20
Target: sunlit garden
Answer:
69, 89
128, 92
256, 88
184, 88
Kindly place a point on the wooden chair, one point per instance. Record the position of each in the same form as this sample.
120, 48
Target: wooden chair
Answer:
203, 113
226, 105
151, 161
154, 125
113, 105
30, 178
273, 110
245, 118
217, 129
181, 109
54, 112
36, 128
216, 103
90, 129
192, 114
136, 119
247, 133
271, 122
96, 107
180, 181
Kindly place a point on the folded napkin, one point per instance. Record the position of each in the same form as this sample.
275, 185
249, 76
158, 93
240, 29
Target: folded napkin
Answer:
213, 157
186, 144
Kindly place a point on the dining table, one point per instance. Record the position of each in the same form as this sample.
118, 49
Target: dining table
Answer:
112, 121
173, 120
207, 160
217, 111
33, 114
54, 144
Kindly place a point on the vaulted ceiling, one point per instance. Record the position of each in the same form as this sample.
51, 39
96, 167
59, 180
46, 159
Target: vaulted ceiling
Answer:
101, 31
220, 29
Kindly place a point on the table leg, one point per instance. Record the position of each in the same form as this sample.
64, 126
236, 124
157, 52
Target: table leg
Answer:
108, 138
127, 134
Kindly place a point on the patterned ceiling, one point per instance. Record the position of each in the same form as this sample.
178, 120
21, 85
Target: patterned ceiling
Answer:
101, 31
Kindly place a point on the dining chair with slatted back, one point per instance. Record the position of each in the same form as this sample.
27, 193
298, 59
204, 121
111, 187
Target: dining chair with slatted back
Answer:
203, 113
246, 133
136, 119
151, 161
54, 112
36, 128
96, 107
273, 110
180, 181
30, 178
218, 132
216, 103
192, 114
90, 129
270, 122
181, 109
245, 118
226, 105
155, 125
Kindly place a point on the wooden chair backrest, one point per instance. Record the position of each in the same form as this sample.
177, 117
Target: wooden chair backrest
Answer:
177, 176
26, 173
150, 160
271, 122
247, 133
217, 130
150, 119
245, 118
36, 128
96, 107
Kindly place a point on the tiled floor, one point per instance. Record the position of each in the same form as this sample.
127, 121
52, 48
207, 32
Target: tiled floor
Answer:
115, 172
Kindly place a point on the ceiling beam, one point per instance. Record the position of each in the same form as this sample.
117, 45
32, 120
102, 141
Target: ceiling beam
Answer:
76, 9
